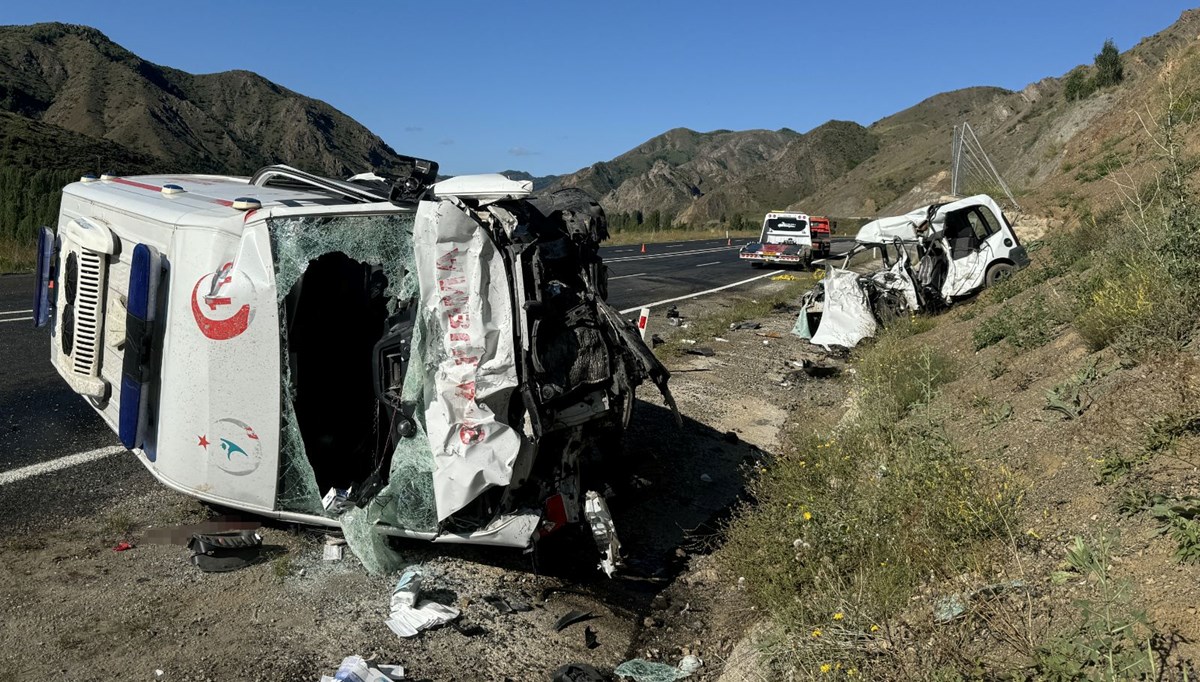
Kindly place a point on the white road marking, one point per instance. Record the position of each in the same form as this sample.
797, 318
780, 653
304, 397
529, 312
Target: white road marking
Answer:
15, 312
705, 265
638, 274
698, 293
16, 319
40, 468
675, 254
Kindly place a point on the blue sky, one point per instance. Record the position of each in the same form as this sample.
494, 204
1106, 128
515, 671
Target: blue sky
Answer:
550, 87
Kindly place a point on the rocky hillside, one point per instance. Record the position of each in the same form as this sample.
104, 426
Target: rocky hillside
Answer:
699, 177
1052, 152
75, 78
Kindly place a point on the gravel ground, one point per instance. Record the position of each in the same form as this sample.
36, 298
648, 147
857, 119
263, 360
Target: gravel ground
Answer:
75, 607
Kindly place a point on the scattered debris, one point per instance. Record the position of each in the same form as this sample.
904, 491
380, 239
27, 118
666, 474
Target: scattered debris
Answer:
408, 588
589, 638
604, 531
335, 548
123, 546
717, 338
503, 606
572, 617
673, 316
355, 669
691, 664
706, 478
656, 341
819, 371
946, 609
223, 552
770, 335
641, 670
701, 350
408, 614
784, 277
336, 501
745, 325
577, 672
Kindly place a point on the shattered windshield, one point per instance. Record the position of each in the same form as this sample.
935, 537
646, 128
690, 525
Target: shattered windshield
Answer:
786, 225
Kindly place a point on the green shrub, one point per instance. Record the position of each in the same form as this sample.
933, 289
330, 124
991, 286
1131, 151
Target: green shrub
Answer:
1025, 325
845, 525
1077, 85
1111, 640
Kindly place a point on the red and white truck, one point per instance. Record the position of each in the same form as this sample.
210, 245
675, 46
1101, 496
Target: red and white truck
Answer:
789, 238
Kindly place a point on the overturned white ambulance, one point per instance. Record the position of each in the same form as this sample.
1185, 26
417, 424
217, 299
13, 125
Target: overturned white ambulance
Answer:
958, 248
439, 353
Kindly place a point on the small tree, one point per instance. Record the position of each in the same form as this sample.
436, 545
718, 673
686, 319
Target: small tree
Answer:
1109, 70
1077, 85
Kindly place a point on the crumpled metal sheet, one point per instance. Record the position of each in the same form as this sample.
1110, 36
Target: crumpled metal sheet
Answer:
847, 317
897, 279
471, 367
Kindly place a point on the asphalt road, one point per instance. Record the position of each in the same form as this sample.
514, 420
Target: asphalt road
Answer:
41, 419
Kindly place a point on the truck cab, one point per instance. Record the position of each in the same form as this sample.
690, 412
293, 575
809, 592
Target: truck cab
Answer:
789, 238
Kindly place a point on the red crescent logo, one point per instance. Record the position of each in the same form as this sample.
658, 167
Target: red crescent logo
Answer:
219, 330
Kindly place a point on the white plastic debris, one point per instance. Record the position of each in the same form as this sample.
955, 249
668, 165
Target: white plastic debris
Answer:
690, 664
334, 552
407, 621
355, 669
409, 615
336, 500
408, 589
706, 478
604, 532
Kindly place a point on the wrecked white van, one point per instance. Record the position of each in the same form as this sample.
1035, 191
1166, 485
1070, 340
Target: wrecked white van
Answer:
438, 356
958, 248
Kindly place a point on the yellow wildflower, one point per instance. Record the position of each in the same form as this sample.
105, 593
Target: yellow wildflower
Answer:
839, 615
808, 516
874, 628
825, 667
851, 672
816, 632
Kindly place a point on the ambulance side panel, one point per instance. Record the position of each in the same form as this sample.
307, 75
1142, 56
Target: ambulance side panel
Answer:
220, 407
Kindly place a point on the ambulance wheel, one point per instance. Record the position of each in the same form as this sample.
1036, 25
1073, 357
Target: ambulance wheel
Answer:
997, 273
756, 266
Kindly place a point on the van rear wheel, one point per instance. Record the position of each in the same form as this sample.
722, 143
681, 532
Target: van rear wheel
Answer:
997, 273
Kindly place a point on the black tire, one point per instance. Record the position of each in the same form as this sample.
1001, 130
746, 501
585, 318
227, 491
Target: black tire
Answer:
756, 264
997, 273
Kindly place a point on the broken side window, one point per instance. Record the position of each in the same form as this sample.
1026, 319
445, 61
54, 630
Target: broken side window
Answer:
338, 279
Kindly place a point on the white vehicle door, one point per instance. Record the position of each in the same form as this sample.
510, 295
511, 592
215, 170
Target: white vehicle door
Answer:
967, 237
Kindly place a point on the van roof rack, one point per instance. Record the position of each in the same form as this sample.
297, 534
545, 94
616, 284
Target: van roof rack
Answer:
293, 178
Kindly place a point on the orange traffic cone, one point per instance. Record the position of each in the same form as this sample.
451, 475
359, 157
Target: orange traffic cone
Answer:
643, 248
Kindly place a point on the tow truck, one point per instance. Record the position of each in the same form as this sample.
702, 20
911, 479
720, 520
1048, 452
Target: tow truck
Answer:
789, 238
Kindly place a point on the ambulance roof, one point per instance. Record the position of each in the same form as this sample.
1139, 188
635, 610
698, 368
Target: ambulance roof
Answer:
200, 200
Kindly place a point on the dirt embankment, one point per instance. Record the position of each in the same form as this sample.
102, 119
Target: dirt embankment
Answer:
75, 607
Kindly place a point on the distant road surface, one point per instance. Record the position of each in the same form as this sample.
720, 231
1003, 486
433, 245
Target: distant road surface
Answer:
41, 419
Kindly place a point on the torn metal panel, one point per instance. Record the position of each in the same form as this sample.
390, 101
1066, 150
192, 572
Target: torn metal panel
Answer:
885, 230
847, 317
467, 306
604, 532
897, 278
